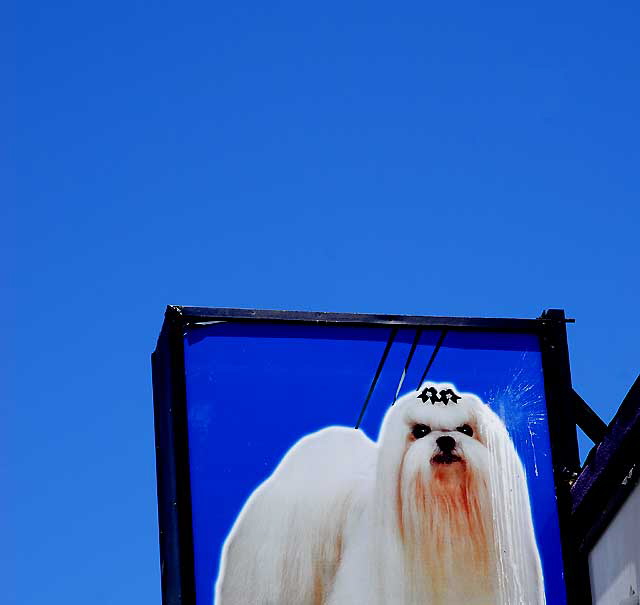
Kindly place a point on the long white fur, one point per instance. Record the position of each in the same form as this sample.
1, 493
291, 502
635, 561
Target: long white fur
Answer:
344, 521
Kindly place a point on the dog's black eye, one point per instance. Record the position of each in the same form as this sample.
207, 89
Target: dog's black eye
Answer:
466, 429
420, 430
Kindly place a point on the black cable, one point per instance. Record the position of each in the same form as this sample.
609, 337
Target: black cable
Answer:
414, 344
394, 331
432, 358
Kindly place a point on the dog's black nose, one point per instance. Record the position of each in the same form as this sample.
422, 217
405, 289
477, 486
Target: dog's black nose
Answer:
446, 443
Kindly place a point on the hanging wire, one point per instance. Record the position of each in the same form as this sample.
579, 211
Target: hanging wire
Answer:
392, 336
432, 358
414, 344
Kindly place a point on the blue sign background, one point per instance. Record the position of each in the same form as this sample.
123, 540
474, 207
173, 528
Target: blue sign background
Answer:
254, 389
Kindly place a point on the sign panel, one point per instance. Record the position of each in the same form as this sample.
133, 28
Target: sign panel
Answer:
614, 562
360, 460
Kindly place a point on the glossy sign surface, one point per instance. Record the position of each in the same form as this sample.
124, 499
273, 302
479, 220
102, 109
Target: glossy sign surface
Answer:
255, 389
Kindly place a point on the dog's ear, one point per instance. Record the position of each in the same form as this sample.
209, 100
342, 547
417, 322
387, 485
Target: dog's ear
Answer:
519, 571
391, 449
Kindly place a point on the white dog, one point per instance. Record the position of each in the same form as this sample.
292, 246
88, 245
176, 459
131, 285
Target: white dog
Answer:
436, 513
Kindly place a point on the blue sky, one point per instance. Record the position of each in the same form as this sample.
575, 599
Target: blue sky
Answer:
470, 159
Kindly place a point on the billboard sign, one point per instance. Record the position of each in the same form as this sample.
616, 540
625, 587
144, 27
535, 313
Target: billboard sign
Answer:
336, 459
606, 508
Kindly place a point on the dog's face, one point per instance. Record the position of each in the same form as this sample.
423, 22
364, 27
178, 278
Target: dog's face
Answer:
442, 442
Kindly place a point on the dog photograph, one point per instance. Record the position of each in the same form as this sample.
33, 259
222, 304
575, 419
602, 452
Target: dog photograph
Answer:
365, 467
436, 512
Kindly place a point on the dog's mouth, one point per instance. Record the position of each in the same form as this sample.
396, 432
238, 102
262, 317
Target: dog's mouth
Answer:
446, 458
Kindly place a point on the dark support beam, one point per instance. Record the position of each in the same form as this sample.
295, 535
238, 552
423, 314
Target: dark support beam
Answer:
610, 474
593, 426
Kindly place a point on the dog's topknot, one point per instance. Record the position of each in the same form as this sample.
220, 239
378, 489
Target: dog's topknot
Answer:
430, 394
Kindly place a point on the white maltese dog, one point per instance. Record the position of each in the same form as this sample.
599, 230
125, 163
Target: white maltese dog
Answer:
436, 513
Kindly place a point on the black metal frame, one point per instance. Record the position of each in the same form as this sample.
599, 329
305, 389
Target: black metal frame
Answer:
172, 451
611, 472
